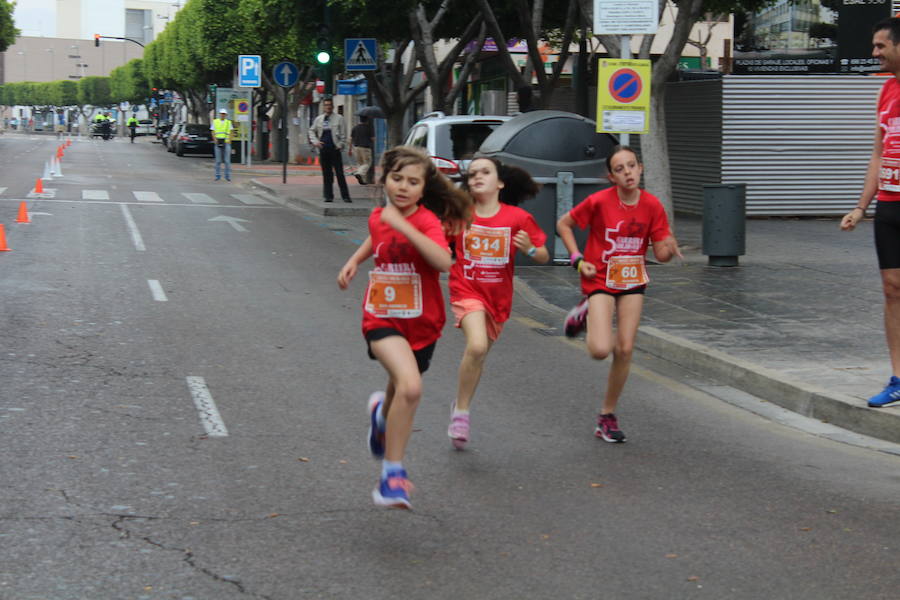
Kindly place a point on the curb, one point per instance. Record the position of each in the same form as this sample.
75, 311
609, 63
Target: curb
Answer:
772, 386
318, 206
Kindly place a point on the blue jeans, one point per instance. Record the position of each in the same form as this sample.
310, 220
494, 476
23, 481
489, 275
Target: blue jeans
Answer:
223, 154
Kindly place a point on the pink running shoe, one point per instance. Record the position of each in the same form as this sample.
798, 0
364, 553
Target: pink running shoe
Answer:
459, 431
608, 429
576, 319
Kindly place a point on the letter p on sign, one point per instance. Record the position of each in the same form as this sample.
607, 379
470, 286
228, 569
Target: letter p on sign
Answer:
249, 70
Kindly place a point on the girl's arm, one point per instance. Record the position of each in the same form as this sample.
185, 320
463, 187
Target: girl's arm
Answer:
564, 227
523, 242
348, 271
666, 248
434, 254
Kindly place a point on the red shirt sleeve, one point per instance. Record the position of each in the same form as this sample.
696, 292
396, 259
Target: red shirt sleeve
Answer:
582, 213
659, 228
537, 235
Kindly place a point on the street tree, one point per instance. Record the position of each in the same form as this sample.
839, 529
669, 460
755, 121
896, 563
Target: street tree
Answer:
8, 31
128, 84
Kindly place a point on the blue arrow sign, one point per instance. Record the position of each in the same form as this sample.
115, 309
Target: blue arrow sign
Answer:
286, 74
359, 54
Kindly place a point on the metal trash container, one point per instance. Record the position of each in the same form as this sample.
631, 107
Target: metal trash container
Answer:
563, 152
724, 223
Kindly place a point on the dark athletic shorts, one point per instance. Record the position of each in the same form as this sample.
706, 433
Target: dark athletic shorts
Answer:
423, 355
887, 234
634, 290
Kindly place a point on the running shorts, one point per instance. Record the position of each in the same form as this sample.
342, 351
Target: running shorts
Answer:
887, 234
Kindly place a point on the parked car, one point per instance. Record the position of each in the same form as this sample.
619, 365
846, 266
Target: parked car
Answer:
452, 141
162, 133
145, 127
195, 138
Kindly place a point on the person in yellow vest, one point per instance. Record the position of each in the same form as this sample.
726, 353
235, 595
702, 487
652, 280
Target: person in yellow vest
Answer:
132, 126
222, 129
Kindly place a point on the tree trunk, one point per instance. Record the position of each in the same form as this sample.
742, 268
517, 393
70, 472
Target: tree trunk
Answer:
391, 85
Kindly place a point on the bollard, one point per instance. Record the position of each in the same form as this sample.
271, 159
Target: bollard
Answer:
724, 223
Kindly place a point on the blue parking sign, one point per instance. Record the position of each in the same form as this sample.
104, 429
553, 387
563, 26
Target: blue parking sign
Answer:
249, 70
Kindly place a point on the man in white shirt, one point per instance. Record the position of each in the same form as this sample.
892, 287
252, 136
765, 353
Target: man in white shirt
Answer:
329, 134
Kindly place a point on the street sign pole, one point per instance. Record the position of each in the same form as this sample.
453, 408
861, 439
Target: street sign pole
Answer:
625, 40
284, 136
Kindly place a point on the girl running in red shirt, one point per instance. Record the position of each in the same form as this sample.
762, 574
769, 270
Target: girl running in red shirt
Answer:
623, 220
481, 279
403, 309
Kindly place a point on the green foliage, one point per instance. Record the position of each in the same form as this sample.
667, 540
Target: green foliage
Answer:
94, 91
8, 31
128, 84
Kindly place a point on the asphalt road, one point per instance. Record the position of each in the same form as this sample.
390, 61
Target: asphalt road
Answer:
182, 416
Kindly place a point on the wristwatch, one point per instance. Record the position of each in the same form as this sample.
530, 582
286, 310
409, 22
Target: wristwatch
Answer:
532, 251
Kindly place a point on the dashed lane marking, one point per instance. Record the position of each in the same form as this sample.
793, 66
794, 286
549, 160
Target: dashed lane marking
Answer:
206, 407
94, 195
200, 198
147, 197
136, 238
249, 199
2, 189
157, 291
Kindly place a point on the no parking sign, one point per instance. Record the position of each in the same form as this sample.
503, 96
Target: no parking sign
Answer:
623, 96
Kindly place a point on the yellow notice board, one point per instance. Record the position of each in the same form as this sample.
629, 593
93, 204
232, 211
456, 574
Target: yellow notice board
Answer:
623, 96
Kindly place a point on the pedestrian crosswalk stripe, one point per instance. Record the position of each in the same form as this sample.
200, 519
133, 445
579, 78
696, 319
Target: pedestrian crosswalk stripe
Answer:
249, 199
2, 190
94, 195
199, 198
147, 196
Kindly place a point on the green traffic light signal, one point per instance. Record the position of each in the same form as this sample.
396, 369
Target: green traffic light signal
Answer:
323, 57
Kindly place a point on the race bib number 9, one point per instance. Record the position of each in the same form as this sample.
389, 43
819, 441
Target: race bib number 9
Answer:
626, 272
889, 175
394, 295
487, 245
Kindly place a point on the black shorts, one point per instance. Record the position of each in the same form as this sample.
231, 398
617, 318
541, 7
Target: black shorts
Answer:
635, 290
423, 355
887, 234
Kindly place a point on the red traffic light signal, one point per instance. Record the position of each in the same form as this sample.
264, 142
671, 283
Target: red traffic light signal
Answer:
97, 39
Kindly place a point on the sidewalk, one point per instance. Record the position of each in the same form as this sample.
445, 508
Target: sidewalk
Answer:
798, 323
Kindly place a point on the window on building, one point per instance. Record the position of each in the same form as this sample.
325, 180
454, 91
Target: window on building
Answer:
139, 25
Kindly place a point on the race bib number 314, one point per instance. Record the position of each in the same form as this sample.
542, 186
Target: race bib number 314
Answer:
487, 245
394, 295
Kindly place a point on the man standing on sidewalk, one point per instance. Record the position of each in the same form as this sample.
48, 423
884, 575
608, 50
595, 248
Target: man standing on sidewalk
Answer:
883, 178
362, 138
329, 134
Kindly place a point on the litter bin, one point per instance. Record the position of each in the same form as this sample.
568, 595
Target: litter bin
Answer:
724, 223
563, 152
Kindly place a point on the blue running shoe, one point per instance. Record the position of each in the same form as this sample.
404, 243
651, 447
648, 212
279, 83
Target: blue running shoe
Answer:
393, 491
376, 433
890, 394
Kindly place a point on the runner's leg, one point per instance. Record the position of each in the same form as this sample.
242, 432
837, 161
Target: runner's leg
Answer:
478, 344
395, 354
628, 317
890, 279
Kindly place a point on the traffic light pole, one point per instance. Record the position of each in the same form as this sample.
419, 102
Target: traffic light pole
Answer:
98, 37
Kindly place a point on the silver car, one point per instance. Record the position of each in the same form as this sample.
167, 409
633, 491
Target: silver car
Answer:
451, 142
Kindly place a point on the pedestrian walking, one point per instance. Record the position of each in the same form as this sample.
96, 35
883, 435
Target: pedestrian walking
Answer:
328, 134
481, 279
362, 140
132, 126
883, 181
222, 129
403, 309
622, 221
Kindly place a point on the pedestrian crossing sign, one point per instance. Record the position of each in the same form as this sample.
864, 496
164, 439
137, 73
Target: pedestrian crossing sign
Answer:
359, 54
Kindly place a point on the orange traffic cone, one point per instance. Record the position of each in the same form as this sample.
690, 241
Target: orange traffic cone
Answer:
23, 214
38, 186
3, 246
317, 161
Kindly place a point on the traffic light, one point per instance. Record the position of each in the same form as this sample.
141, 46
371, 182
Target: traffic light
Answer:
97, 40
323, 46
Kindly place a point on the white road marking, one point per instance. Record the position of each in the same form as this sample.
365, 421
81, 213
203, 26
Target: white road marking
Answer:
156, 289
147, 196
233, 221
94, 195
249, 199
206, 407
199, 198
132, 229
2, 189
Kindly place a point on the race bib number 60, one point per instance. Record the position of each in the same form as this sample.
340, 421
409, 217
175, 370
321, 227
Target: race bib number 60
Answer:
889, 175
487, 245
626, 272
394, 295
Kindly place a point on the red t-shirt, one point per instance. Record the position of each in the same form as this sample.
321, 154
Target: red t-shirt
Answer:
404, 291
485, 259
617, 230
889, 121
